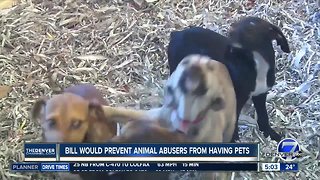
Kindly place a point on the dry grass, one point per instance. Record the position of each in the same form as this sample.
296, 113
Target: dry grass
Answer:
121, 47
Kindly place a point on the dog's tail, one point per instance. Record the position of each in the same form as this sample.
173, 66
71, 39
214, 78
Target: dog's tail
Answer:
124, 115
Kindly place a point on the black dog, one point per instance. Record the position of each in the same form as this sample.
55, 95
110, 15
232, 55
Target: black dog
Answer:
248, 54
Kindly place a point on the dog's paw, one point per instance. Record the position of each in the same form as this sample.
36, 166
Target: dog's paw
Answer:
276, 136
273, 134
235, 138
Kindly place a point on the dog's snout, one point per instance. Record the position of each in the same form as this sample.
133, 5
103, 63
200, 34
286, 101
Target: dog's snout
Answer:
52, 136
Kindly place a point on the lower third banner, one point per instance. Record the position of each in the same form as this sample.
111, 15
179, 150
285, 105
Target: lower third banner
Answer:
203, 152
138, 166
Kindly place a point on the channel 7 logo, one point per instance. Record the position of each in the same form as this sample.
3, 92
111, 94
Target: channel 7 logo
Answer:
288, 150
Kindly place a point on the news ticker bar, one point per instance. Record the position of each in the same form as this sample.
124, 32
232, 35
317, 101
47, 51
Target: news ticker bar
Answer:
142, 152
146, 166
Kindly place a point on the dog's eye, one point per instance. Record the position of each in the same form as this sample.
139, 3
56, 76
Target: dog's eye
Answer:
75, 124
217, 103
52, 123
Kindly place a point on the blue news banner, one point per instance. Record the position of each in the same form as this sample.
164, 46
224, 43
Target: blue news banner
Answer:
139, 157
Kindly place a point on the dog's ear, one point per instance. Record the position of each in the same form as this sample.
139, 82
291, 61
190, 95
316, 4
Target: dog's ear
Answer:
95, 110
37, 109
218, 104
276, 34
174, 34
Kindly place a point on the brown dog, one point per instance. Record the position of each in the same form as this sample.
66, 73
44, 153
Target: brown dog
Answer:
200, 101
202, 98
139, 132
74, 116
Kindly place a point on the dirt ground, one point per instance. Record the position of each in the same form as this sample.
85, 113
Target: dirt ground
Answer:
120, 46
